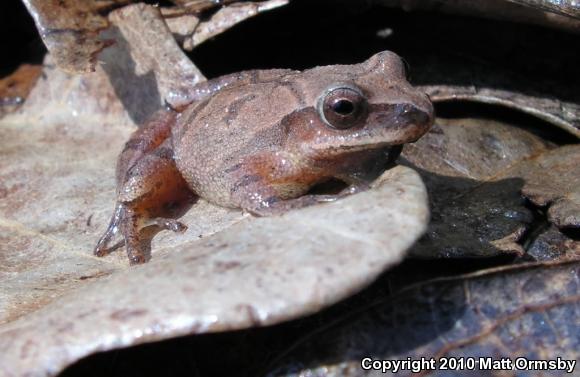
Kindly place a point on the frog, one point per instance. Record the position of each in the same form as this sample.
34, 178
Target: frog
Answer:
260, 140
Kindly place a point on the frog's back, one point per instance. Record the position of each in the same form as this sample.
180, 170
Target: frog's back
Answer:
218, 133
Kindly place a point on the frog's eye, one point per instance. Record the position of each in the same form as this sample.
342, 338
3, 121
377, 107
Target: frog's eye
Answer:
342, 106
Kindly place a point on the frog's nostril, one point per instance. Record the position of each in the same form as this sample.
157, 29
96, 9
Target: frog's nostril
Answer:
412, 114
419, 117
401, 116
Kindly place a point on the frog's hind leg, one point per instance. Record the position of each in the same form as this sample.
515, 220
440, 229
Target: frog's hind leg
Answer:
138, 247
103, 247
125, 217
154, 193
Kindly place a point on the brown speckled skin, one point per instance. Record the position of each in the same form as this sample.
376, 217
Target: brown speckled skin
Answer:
256, 141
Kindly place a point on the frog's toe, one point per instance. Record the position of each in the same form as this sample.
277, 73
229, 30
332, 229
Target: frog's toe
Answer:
128, 221
315, 199
103, 247
138, 258
279, 207
170, 224
354, 189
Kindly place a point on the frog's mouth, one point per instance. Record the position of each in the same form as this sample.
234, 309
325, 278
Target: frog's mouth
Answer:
373, 170
393, 154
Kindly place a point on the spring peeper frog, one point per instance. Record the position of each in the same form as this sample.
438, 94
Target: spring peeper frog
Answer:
259, 140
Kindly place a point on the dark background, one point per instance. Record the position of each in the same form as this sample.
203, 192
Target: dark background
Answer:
309, 33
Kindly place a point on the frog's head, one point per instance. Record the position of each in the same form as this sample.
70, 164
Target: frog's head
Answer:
362, 107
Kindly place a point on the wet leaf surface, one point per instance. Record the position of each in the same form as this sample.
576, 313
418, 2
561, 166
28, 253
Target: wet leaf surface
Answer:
553, 180
478, 149
552, 244
474, 211
492, 154
502, 312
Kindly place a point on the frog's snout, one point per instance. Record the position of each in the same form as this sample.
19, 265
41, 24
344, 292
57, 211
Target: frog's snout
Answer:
420, 119
413, 114
403, 122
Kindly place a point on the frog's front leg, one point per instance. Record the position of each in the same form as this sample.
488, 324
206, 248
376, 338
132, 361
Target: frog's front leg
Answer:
275, 206
272, 184
268, 203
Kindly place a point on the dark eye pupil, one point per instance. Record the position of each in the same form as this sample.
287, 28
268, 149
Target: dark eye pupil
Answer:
343, 107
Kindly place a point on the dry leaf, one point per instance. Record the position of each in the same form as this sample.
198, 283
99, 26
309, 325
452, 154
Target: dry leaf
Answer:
477, 149
566, 7
191, 31
527, 311
257, 272
483, 82
553, 179
146, 66
562, 114
15, 88
198, 5
551, 13
552, 244
71, 29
